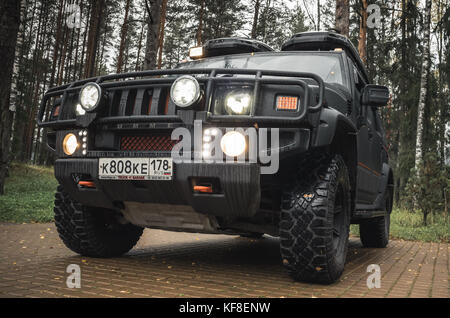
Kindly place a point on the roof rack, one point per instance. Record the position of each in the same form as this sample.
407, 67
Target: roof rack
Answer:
234, 45
324, 41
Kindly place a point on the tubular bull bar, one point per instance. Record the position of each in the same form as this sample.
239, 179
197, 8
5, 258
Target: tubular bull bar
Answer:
167, 77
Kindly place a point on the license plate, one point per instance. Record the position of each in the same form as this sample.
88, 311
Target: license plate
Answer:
135, 168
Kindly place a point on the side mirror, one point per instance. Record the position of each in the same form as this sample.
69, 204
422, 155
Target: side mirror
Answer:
375, 95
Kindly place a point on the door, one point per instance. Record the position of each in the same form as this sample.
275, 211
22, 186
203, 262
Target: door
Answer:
369, 141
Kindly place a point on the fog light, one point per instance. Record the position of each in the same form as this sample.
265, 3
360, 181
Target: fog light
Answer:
70, 144
233, 144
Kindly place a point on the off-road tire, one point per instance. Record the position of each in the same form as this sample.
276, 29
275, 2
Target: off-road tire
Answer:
91, 231
375, 232
313, 247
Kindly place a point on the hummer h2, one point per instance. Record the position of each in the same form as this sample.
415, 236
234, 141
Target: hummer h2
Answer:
240, 140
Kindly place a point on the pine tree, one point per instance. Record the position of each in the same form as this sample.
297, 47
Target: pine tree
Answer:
9, 21
92, 41
153, 8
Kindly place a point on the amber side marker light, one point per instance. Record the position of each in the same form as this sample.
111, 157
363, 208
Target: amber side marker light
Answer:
287, 103
87, 184
203, 189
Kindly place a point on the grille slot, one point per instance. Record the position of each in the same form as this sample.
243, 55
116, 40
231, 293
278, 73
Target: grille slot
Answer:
160, 142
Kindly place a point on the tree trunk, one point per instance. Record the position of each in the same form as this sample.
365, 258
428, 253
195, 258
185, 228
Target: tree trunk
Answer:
123, 36
14, 100
423, 85
83, 50
162, 24
318, 15
154, 14
9, 24
363, 32
138, 55
200, 23
343, 16
255, 19
94, 32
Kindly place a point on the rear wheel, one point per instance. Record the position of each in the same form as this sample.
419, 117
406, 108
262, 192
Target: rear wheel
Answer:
315, 220
91, 231
375, 232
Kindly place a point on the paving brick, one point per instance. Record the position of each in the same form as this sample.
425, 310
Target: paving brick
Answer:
166, 264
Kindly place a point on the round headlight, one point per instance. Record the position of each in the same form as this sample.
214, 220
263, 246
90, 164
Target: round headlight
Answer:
90, 96
70, 144
233, 144
185, 91
238, 103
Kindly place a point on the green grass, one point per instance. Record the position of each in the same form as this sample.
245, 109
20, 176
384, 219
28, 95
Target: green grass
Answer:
30, 190
409, 226
29, 195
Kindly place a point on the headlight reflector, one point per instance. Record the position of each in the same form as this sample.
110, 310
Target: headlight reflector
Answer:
79, 110
185, 91
238, 102
70, 144
233, 144
90, 96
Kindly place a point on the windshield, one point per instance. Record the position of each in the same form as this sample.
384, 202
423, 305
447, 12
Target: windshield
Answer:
327, 66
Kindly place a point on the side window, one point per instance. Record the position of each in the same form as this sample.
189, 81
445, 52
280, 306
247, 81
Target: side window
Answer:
357, 78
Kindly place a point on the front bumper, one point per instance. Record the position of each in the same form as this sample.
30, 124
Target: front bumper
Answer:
239, 184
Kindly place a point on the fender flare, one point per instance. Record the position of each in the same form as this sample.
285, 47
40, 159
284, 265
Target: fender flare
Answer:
330, 121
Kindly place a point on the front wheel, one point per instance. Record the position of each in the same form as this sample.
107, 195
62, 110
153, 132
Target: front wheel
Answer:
315, 220
91, 231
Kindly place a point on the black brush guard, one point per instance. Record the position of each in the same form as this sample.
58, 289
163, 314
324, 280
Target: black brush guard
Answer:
212, 76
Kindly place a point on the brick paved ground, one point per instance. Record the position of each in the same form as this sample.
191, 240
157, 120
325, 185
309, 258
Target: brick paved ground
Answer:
33, 263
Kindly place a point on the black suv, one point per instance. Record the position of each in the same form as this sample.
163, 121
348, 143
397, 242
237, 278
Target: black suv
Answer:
240, 140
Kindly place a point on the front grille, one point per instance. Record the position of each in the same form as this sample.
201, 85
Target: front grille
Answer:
147, 143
